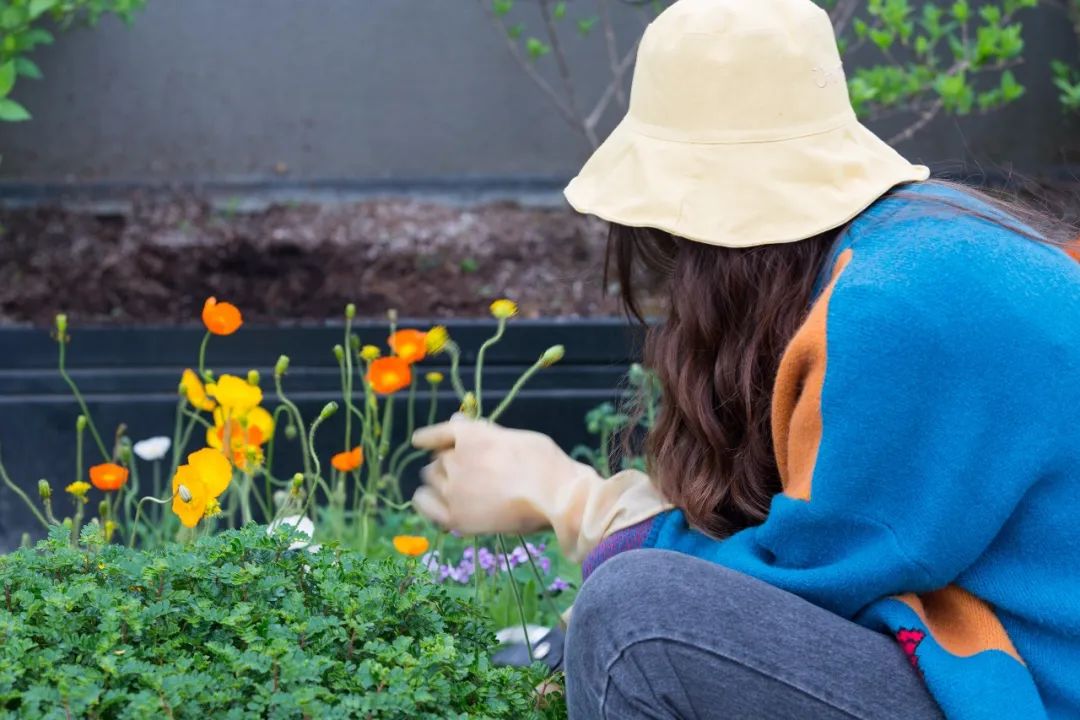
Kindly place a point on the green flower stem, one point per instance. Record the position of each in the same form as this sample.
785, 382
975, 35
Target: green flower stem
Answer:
245, 499
515, 390
317, 477
552, 607
347, 383
138, 514
433, 407
195, 417
454, 352
305, 451
79, 452
18, 491
202, 356
478, 380
476, 569
410, 427
517, 596
76, 524
82, 403
270, 445
178, 448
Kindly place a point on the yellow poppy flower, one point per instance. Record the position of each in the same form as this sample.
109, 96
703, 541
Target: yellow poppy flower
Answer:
235, 394
436, 339
247, 435
411, 545
78, 489
504, 309
195, 391
196, 484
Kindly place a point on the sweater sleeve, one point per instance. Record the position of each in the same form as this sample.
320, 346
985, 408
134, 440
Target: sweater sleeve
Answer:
893, 423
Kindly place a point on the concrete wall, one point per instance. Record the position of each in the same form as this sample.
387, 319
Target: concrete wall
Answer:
395, 90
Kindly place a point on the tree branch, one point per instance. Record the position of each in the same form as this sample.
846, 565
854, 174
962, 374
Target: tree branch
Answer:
613, 51
619, 72
564, 109
564, 69
842, 14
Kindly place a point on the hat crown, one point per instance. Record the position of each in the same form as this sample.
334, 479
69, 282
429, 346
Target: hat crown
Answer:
739, 71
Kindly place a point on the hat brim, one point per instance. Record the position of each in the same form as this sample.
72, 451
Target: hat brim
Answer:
739, 194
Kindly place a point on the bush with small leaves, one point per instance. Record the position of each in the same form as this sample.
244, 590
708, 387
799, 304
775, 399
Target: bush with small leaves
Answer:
22, 29
236, 625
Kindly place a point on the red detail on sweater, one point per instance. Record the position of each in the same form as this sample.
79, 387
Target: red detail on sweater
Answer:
909, 640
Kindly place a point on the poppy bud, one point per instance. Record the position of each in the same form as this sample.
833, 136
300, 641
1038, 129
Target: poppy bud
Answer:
350, 311
282, 366
354, 343
552, 355
290, 431
253, 378
61, 326
44, 489
184, 493
392, 316
80, 423
339, 353
103, 509
327, 411
469, 406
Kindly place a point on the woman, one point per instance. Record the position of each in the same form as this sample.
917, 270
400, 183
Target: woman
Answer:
872, 395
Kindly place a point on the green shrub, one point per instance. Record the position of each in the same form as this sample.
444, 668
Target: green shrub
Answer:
927, 58
21, 31
235, 625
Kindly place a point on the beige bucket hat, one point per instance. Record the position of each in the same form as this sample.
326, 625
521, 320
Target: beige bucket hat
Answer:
740, 130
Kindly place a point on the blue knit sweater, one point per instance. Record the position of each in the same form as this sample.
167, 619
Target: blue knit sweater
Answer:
927, 429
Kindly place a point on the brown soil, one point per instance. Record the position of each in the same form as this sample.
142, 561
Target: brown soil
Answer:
157, 263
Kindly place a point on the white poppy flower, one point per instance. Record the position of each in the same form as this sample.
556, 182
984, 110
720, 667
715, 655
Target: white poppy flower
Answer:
152, 449
303, 525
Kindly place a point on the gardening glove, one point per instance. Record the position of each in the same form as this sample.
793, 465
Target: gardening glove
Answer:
488, 479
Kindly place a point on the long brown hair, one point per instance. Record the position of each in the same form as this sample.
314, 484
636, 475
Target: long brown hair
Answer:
730, 312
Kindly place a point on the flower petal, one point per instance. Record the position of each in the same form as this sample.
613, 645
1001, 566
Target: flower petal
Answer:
213, 470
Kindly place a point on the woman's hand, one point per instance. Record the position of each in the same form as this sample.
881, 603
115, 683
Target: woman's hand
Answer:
488, 479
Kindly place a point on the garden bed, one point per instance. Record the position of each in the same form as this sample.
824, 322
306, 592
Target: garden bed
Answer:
155, 262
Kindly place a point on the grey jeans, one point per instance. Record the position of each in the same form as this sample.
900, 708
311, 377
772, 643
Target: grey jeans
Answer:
657, 634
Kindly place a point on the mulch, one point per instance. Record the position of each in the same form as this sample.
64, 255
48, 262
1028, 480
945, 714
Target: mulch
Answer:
158, 262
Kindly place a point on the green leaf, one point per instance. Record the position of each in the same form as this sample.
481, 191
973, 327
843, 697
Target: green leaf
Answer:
7, 78
502, 7
537, 48
515, 31
559, 11
38, 36
1010, 88
586, 25
991, 14
40, 7
27, 68
961, 10
11, 111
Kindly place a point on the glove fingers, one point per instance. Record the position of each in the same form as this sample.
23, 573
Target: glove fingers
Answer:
428, 503
435, 438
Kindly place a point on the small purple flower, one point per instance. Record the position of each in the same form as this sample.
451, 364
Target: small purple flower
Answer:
558, 585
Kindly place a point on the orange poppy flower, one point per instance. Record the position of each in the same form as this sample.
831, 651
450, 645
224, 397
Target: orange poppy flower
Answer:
409, 345
349, 460
388, 375
411, 545
221, 318
108, 476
